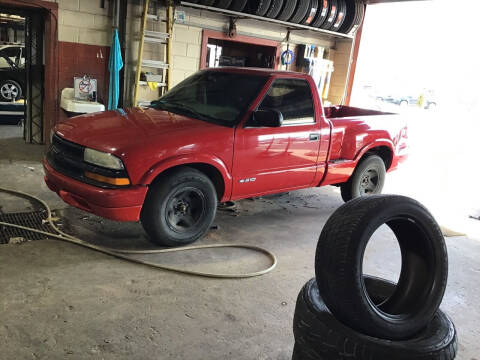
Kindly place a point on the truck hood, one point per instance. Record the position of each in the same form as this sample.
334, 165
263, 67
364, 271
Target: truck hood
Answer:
118, 130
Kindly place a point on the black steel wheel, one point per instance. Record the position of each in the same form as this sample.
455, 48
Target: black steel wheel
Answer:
423, 276
238, 5
322, 13
179, 207
319, 335
275, 8
288, 9
303, 6
367, 179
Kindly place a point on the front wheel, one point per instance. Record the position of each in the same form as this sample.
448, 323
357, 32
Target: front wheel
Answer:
180, 208
10, 90
367, 179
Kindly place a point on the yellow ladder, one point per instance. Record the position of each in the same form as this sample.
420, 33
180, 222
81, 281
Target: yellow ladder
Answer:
154, 37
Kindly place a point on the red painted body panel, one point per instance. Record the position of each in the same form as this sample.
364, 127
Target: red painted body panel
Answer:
252, 161
118, 204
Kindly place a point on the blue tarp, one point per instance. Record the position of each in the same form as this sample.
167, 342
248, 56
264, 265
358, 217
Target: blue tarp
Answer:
115, 64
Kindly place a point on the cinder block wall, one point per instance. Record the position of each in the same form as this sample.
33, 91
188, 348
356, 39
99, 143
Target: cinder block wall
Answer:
86, 27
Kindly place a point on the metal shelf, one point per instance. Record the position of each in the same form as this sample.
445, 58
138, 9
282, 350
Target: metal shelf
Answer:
289, 26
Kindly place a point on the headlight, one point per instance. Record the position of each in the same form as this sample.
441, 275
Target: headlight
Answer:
102, 159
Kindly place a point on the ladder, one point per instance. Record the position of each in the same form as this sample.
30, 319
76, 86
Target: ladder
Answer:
161, 67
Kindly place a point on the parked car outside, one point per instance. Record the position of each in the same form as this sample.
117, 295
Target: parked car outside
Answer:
12, 72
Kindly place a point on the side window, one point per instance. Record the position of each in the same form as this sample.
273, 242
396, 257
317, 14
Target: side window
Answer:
293, 98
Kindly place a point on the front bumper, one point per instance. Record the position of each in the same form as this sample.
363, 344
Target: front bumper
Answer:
116, 204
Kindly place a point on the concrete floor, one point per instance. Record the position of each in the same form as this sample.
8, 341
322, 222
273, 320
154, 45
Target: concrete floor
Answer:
60, 301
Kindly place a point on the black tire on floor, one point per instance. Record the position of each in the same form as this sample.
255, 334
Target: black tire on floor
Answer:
423, 276
223, 4
301, 10
319, 335
287, 11
238, 5
275, 8
179, 208
367, 179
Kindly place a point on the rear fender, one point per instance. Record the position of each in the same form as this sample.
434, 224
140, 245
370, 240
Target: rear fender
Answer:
375, 144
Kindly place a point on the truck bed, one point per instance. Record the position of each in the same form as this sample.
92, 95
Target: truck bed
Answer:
334, 112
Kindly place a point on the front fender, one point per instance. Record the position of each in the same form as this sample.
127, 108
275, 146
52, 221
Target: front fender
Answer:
169, 163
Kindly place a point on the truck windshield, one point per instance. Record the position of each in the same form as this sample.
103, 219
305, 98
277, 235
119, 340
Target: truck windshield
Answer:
213, 96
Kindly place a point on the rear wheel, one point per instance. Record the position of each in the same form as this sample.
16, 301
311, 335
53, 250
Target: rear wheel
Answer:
180, 208
367, 179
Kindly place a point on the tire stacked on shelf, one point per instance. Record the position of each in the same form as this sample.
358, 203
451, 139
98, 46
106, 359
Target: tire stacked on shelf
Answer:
322, 13
275, 8
303, 6
311, 13
238, 5
207, 2
342, 16
288, 9
257, 7
354, 16
332, 15
343, 314
223, 4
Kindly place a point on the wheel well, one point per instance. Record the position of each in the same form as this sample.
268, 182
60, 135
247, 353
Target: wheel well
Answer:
384, 152
209, 170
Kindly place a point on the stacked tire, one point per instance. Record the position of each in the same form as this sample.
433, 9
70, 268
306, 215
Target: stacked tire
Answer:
342, 16
344, 314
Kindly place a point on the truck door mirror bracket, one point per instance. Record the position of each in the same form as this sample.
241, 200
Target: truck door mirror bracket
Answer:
266, 118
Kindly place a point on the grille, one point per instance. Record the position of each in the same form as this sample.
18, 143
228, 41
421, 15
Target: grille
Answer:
31, 219
67, 158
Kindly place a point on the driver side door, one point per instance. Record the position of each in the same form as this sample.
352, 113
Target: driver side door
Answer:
276, 159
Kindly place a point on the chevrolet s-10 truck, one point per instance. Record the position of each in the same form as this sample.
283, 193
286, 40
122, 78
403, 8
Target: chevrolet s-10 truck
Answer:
222, 134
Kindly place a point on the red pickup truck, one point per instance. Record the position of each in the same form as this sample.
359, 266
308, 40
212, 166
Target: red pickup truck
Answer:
222, 134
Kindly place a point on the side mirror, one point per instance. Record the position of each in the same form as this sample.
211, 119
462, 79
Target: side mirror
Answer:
266, 118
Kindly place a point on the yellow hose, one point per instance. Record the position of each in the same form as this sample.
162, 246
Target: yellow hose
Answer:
122, 254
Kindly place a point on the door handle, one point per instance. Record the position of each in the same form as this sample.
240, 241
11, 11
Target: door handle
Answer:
314, 137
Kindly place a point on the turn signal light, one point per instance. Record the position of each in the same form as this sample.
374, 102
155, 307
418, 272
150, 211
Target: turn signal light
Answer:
108, 180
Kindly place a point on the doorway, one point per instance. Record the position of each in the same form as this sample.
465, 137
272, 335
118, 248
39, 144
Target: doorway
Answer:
219, 50
22, 74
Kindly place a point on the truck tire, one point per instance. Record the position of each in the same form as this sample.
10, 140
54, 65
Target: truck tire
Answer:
238, 5
179, 208
303, 6
367, 179
423, 276
223, 4
207, 2
318, 335
287, 11
275, 8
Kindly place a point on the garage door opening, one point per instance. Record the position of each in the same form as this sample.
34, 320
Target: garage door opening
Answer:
21, 76
220, 50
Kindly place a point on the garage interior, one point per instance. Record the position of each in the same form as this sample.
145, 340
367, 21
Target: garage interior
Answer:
65, 301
